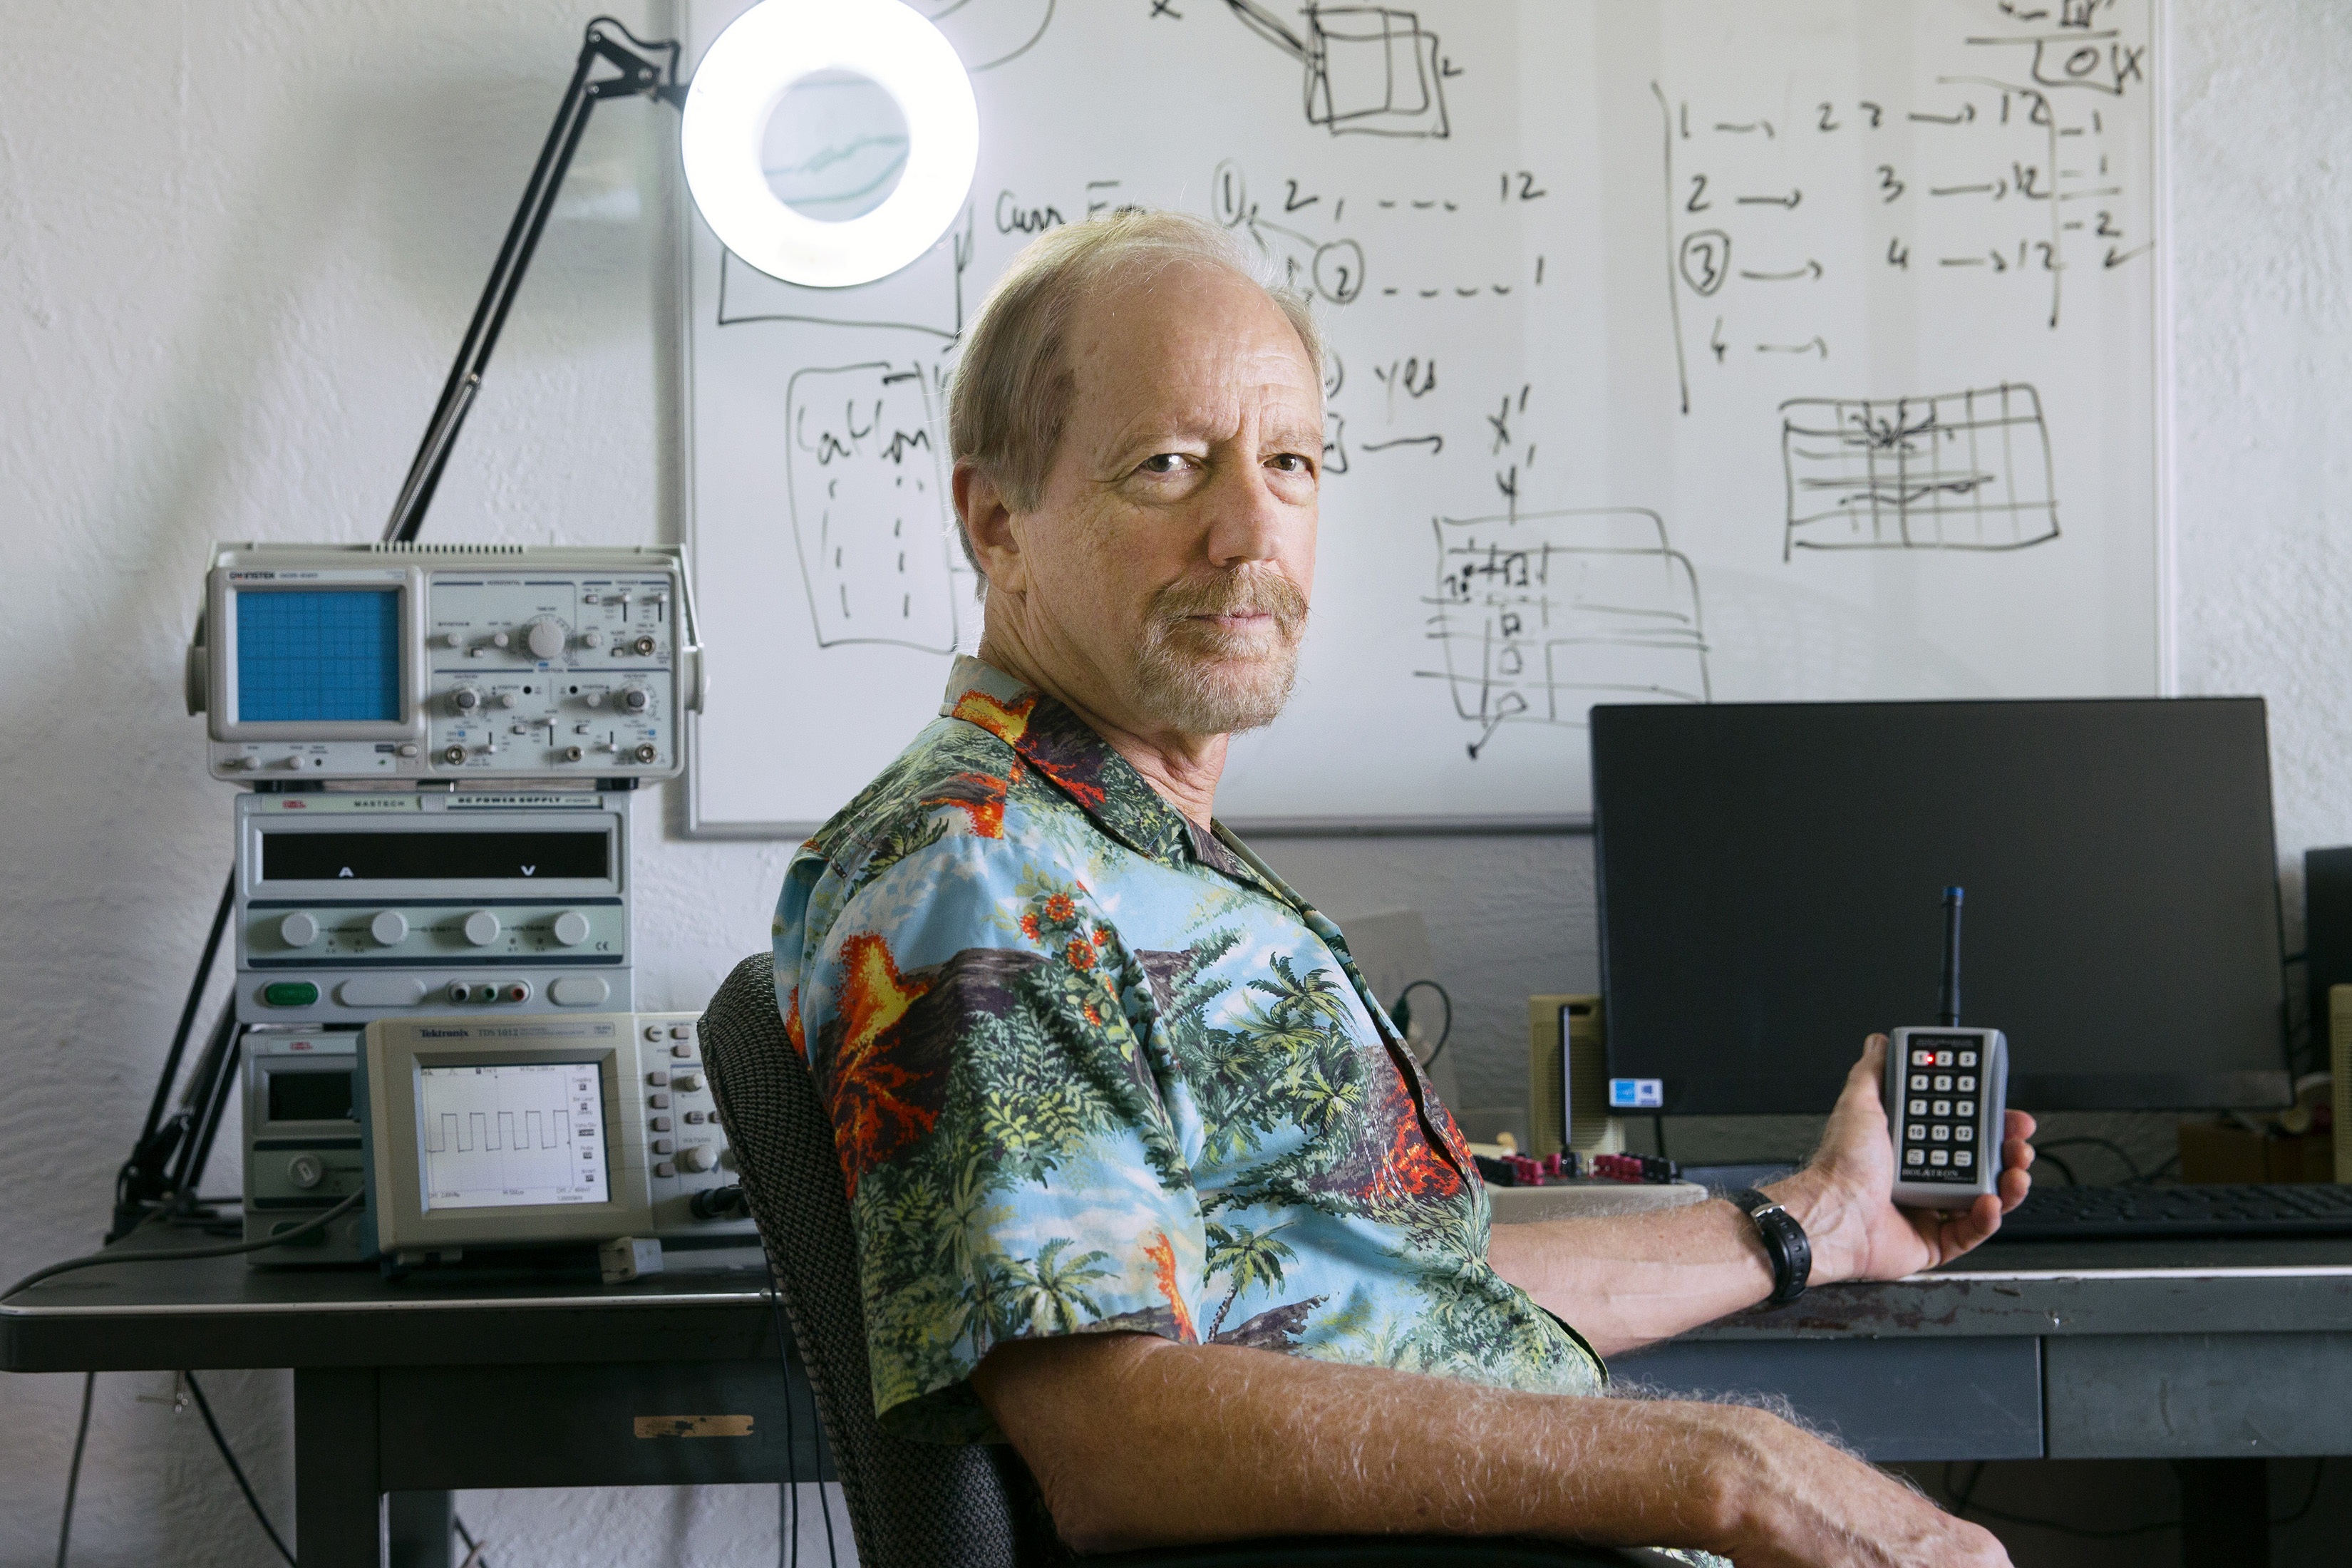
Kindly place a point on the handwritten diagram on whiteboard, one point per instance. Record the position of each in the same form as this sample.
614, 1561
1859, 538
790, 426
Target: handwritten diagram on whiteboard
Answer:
1681, 350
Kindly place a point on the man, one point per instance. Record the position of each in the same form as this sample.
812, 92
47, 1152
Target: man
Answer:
1143, 1180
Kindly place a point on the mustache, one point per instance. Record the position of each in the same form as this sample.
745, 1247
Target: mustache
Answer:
1257, 593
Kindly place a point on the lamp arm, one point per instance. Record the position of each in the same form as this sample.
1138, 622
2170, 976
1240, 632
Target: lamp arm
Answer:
651, 74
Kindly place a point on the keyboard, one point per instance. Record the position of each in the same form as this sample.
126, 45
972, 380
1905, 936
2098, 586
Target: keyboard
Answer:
2055, 1214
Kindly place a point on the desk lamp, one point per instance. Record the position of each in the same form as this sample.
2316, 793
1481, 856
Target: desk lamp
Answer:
743, 76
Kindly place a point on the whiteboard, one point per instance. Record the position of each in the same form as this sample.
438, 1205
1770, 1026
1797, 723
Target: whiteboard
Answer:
1681, 350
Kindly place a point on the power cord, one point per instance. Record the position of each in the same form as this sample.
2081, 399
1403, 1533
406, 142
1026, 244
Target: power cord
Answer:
147, 1255
204, 1408
73, 1471
474, 1558
1401, 1014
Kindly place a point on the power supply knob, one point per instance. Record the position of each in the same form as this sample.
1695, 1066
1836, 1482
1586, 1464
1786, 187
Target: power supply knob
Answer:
390, 928
465, 700
481, 928
546, 638
306, 1171
298, 930
635, 699
571, 928
695, 1157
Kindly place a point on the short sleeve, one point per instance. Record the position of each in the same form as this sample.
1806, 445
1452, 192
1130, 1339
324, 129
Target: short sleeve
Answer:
976, 1029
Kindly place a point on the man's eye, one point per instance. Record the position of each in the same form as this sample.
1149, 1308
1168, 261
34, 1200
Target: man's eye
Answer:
1290, 463
1164, 463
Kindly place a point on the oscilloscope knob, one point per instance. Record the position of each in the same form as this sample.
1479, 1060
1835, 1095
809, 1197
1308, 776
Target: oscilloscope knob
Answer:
465, 700
481, 928
300, 929
635, 699
695, 1157
545, 637
592, 638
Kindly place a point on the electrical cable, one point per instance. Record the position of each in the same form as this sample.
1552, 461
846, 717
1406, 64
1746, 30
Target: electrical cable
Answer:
474, 1558
1401, 1014
73, 1471
204, 1408
788, 1502
2309, 1498
2064, 1169
148, 1254
2109, 1144
1963, 1502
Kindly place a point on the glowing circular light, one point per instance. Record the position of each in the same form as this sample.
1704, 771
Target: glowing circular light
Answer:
746, 73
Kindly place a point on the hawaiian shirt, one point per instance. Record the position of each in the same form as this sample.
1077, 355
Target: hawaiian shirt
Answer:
1091, 1067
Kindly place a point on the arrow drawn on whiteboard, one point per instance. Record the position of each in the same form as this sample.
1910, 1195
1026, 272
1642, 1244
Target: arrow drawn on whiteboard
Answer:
1818, 345
1789, 201
2116, 259
1510, 706
1811, 270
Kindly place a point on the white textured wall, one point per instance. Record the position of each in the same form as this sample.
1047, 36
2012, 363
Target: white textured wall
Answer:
238, 242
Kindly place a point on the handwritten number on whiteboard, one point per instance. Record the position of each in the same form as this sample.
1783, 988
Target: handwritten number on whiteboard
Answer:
1876, 114
1827, 123
1898, 254
1889, 183
2107, 229
1528, 190
1698, 201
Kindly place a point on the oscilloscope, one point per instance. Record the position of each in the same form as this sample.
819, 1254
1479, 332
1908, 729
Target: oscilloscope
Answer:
455, 661
481, 1132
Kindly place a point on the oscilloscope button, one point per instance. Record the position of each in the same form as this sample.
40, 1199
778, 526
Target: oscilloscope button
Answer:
660, 1123
680, 1031
662, 1146
659, 1102
652, 1031
663, 1168
658, 1079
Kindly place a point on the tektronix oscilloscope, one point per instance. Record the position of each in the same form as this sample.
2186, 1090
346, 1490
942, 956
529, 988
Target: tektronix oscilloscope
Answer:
418, 662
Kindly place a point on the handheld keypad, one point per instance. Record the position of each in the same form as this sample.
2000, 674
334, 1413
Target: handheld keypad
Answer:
1946, 1103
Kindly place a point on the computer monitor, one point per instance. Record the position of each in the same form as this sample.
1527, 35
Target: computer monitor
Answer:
1770, 882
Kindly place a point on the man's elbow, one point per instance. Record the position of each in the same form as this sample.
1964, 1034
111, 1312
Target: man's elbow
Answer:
1067, 1407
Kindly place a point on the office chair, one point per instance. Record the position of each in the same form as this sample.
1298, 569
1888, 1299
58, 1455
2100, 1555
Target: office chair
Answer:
915, 1505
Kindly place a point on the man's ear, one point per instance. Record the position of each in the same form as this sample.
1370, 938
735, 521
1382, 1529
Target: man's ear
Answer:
987, 521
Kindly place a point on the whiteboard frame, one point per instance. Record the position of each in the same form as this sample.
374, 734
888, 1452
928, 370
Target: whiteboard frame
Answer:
678, 316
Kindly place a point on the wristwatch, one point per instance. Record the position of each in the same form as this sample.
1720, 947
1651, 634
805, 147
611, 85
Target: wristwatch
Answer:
1784, 1243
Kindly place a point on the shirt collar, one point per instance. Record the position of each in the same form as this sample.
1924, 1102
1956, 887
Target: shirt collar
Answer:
1050, 738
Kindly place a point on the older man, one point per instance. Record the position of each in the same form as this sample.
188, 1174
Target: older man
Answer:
1143, 1179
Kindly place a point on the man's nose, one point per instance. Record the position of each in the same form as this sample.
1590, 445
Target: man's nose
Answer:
1247, 519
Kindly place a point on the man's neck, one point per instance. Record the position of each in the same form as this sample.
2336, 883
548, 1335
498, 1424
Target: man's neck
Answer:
1183, 768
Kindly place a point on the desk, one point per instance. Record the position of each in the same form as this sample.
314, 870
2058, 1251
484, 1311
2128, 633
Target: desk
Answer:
2187, 1351
2026, 1350
387, 1377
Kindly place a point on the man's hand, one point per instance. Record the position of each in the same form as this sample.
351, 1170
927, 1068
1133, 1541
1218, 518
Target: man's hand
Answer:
1843, 1195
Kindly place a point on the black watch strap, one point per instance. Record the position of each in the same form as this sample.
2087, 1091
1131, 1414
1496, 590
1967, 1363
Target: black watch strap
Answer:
1784, 1243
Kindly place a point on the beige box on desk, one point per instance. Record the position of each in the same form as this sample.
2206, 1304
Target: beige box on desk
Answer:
1568, 1078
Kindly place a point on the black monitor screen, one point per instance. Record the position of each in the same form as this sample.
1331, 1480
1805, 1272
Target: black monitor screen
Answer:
313, 1095
457, 857
1771, 878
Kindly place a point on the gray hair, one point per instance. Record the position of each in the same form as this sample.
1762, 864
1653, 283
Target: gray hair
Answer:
1010, 392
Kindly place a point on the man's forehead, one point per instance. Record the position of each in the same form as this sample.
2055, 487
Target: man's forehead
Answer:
1187, 341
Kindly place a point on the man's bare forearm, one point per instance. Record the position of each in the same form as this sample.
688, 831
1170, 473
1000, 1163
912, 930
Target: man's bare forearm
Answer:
1137, 1441
1140, 1441
1627, 1281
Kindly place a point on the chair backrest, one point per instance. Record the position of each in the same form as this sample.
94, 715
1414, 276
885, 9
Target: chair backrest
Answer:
911, 1505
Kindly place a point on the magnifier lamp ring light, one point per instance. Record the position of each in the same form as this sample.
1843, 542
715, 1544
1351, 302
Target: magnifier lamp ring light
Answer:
746, 73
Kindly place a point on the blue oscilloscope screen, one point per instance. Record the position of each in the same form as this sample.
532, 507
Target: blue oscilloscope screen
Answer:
312, 656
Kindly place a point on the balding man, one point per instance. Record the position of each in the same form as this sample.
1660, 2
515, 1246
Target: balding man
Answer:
1142, 1178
